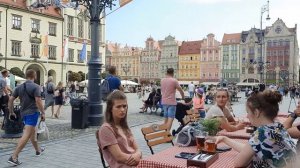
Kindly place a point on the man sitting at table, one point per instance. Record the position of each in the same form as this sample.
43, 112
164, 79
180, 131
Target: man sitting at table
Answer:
270, 145
294, 131
221, 112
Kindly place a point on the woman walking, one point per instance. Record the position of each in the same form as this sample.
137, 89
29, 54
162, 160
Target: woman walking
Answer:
59, 98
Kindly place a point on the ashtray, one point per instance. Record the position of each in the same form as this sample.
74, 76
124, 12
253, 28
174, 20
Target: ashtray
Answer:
202, 160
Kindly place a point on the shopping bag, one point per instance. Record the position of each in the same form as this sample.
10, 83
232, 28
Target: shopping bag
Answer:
43, 132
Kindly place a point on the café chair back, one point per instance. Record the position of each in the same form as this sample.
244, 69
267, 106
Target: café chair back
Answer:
157, 134
100, 150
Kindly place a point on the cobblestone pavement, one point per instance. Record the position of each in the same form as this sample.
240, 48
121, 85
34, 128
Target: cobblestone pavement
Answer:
77, 148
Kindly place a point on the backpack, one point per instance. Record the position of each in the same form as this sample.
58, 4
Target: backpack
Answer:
104, 89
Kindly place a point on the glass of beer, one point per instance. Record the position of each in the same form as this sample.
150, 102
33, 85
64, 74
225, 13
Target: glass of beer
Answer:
200, 140
210, 145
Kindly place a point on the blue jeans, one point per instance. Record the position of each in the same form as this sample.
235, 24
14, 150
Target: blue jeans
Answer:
169, 111
191, 94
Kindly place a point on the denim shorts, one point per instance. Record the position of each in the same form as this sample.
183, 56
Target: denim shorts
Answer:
31, 119
169, 111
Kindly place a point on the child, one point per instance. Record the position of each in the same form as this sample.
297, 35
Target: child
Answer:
199, 101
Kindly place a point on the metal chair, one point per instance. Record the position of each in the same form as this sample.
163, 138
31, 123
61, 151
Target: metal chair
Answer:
156, 134
100, 150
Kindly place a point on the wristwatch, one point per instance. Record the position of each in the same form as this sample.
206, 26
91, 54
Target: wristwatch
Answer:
293, 115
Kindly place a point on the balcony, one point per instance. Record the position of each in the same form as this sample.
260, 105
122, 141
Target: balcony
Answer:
35, 56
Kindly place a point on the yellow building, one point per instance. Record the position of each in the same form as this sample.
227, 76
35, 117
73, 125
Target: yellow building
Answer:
189, 62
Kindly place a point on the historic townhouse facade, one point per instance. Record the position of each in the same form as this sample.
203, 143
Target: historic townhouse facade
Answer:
169, 56
33, 39
210, 59
22, 38
230, 57
150, 57
250, 50
189, 62
282, 53
126, 59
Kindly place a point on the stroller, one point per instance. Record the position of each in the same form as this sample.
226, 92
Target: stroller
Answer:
179, 115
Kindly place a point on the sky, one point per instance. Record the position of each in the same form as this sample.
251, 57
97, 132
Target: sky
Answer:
193, 19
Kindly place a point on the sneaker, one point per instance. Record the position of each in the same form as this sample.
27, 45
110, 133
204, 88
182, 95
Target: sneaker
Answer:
40, 153
14, 162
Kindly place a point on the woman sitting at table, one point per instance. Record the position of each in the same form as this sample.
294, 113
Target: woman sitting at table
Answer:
221, 112
294, 131
270, 145
115, 138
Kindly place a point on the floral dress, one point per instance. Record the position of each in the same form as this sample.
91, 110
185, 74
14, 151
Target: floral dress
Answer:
272, 145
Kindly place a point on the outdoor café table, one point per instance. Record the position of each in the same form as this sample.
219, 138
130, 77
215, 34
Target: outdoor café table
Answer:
242, 134
166, 158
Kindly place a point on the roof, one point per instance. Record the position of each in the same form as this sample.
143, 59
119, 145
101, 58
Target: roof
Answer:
190, 47
21, 4
233, 38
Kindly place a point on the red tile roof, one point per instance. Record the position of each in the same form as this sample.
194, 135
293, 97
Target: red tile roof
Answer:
233, 38
190, 47
21, 4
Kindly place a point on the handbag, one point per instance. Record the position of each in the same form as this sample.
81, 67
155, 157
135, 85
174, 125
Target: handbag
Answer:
187, 136
43, 132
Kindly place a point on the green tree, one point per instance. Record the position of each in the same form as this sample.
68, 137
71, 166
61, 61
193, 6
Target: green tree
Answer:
17, 72
73, 76
103, 75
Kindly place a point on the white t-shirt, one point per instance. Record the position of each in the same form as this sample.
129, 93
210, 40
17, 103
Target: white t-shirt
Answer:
191, 87
7, 82
215, 111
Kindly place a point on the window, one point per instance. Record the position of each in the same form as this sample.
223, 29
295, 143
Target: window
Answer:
16, 22
216, 74
16, 48
203, 75
52, 52
35, 50
243, 70
71, 55
52, 29
217, 51
70, 26
35, 25
80, 28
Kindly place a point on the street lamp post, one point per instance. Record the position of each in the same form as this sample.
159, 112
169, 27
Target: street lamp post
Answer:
264, 8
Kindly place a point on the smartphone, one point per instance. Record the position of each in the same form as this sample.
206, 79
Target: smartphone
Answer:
185, 155
223, 148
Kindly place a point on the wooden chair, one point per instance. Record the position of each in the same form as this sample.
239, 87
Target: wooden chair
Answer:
156, 134
100, 150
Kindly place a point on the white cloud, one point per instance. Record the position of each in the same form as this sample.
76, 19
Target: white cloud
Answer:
210, 1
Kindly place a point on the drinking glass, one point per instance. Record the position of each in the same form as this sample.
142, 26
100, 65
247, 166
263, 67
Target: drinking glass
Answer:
200, 140
210, 145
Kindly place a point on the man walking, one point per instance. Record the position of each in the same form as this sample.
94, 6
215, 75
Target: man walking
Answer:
169, 85
191, 88
113, 80
49, 97
31, 107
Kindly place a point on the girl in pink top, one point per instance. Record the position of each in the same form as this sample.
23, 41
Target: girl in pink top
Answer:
116, 141
199, 101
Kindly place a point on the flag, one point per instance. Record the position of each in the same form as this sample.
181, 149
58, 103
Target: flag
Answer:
65, 54
45, 49
124, 2
83, 52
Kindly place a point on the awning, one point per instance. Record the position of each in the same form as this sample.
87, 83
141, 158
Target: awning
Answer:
210, 83
247, 84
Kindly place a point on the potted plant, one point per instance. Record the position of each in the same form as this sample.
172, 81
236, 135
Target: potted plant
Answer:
211, 126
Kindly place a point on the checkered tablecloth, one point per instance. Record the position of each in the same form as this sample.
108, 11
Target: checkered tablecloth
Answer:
166, 158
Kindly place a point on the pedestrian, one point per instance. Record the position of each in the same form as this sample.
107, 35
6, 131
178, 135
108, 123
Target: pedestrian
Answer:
49, 96
113, 80
72, 90
31, 108
191, 89
169, 85
116, 140
4, 93
59, 98
270, 145
199, 101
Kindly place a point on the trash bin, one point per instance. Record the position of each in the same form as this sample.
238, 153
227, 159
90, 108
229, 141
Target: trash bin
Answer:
13, 128
80, 112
